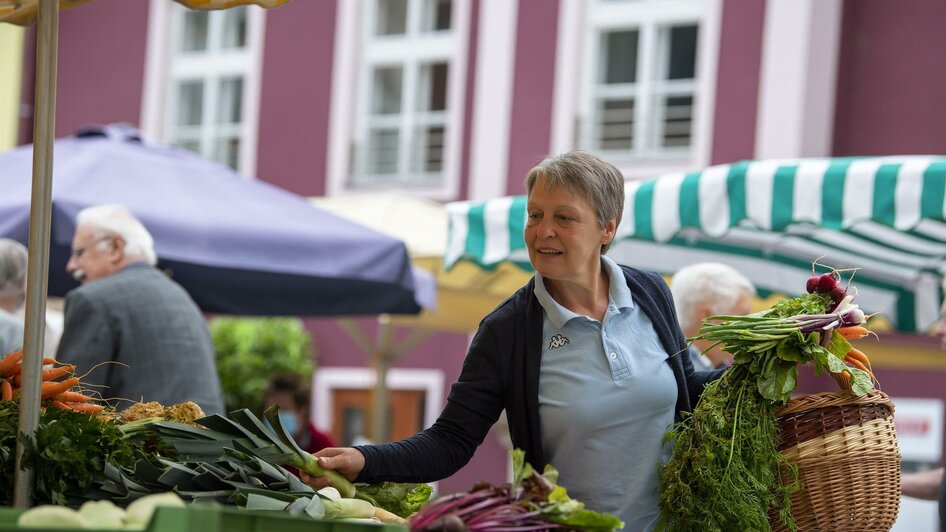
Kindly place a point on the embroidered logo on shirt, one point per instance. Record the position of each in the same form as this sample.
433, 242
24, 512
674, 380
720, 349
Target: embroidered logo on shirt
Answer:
558, 341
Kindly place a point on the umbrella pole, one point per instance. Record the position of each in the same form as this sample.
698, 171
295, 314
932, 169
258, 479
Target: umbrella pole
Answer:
44, 124
382, 363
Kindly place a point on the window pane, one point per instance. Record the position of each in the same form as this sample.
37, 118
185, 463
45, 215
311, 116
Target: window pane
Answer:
234, 27
620, 56
230, 101
616, 124
382, 152
678, 120
437, 15
682, 52
195, 31
190, 103
391, 17
386, 96
189, 145
433, 93
227, 151
428, 150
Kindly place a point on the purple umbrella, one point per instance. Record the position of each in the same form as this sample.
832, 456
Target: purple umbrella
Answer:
238, 245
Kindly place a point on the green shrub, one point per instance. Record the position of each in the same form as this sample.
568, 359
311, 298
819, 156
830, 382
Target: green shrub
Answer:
251, 351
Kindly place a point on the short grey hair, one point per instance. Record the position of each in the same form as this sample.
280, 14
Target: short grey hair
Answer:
713, 284
586, 174
13, 261
114, 219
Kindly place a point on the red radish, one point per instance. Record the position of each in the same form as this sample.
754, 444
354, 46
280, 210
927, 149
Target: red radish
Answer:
838, 293
827, 282
812, 285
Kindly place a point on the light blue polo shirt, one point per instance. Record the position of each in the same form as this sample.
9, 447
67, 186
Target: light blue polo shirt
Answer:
606, 397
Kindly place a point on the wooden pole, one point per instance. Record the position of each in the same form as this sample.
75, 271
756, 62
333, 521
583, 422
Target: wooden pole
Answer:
44, 129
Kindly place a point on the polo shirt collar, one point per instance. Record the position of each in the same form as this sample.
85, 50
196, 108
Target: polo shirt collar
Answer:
619, 295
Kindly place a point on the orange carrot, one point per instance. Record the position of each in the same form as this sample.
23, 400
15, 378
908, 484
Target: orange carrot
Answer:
53, 388
6, 391
48, 374
82, 408
73, 397
857, 363
9, 361
859, 355
853, 332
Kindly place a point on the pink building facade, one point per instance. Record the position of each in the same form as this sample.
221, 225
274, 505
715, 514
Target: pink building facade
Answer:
453, 100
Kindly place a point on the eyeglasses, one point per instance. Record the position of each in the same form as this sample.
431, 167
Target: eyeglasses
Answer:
78, 251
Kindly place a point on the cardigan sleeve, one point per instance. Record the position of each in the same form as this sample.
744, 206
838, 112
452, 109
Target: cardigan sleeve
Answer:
473, 406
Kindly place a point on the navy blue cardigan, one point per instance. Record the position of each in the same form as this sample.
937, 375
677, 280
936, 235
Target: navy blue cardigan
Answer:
501, 371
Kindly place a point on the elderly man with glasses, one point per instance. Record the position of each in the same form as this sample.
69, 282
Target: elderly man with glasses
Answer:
136, 331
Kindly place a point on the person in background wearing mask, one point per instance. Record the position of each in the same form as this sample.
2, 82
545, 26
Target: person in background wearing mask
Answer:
12, 293
130, 313
288, 392
709, 289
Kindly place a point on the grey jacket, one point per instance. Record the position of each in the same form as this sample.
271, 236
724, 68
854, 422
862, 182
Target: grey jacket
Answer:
152, 329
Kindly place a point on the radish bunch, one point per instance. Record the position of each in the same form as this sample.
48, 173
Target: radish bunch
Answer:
828, 283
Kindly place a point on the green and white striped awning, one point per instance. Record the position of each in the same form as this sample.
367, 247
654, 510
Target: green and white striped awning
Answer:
770, 219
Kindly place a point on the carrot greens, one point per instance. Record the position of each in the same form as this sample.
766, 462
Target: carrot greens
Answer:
724, 473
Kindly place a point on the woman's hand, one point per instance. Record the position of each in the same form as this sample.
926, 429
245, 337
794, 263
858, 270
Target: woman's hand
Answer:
346, 460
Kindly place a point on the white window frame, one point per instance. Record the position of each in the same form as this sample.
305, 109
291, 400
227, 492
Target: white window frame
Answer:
357, 53
326, 380
161, 75
581, 24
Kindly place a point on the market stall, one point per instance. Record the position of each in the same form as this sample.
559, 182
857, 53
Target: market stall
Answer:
22, 416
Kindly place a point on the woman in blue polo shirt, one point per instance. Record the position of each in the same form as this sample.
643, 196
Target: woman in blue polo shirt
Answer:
587, 360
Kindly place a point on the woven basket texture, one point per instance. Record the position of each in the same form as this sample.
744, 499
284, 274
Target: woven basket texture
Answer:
845, 449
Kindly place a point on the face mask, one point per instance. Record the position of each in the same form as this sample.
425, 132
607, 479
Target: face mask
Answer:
288, 420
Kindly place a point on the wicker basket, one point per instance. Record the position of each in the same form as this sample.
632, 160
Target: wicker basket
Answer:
848, 461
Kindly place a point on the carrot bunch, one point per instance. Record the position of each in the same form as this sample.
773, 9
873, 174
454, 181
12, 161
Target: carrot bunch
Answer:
58, 393
855, 357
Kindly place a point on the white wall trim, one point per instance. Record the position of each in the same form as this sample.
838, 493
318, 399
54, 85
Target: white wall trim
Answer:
151, 121
326, 380
344, 96
253, 84
798, 82
492, 103
707, 72
566, 85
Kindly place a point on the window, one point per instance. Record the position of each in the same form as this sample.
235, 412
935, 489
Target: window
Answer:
641, 91
407, 89
212, 65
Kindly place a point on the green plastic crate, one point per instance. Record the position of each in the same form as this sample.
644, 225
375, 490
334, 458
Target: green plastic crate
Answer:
215, 518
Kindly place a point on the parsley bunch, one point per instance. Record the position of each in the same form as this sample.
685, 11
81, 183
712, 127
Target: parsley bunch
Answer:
68, 454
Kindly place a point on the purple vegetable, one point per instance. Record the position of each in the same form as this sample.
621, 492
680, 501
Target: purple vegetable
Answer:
812, 285
838, 293
826, 283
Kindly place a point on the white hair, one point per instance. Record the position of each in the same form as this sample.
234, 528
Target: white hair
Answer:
116, 219
13, 259
711, 284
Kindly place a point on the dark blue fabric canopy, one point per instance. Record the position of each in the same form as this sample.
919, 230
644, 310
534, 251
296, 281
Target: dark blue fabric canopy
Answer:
238, 245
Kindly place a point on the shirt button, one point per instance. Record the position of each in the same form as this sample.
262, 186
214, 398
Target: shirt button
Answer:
614, 355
